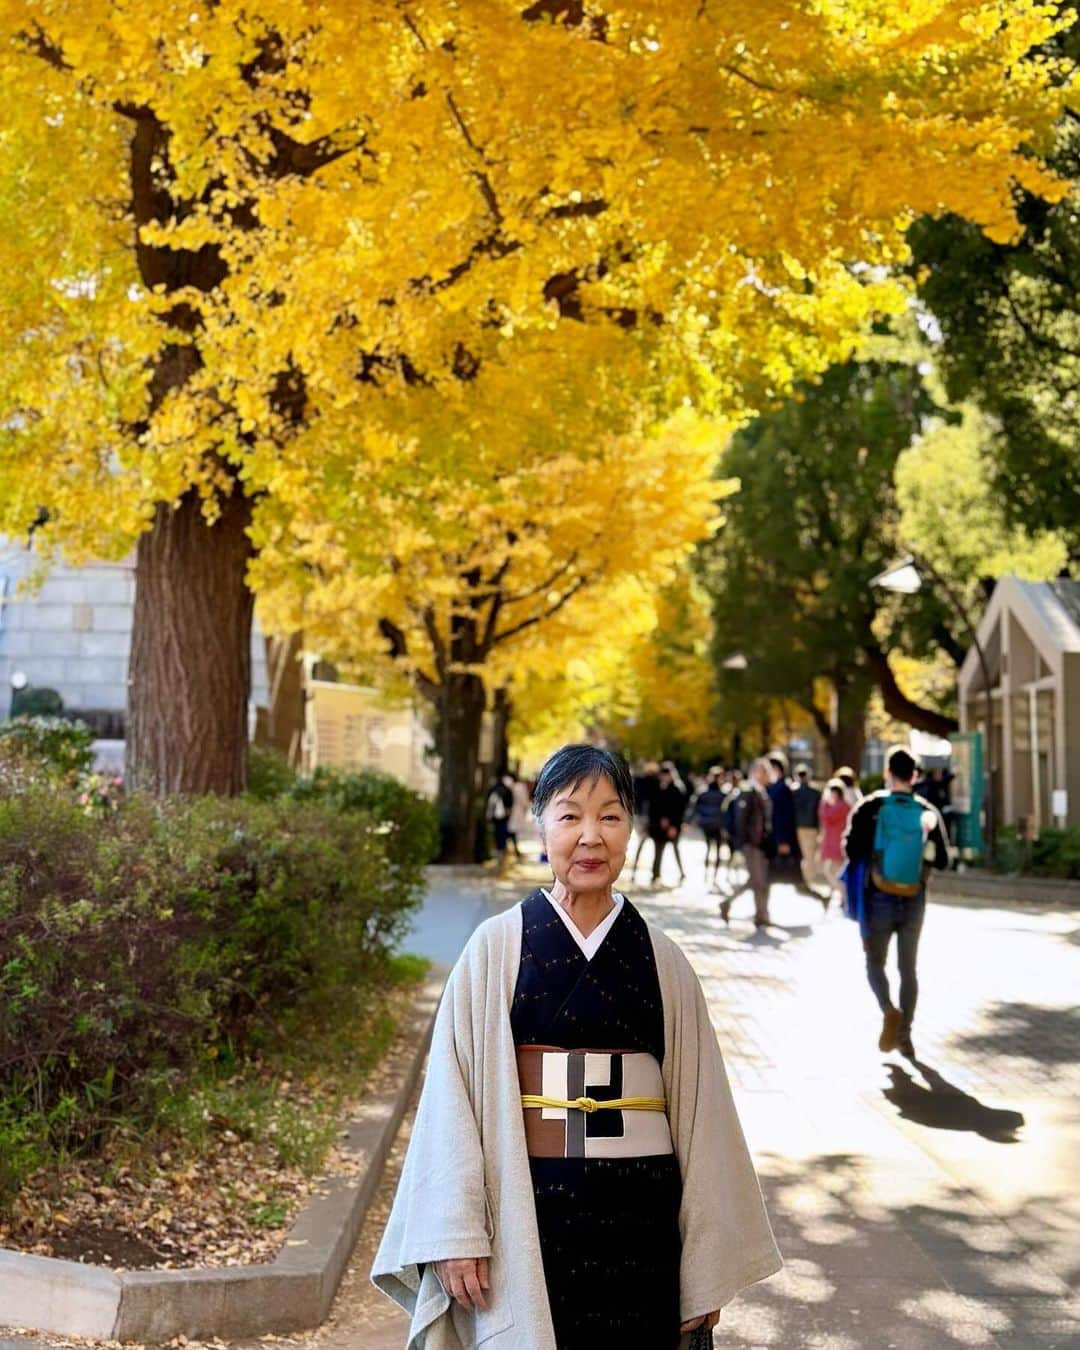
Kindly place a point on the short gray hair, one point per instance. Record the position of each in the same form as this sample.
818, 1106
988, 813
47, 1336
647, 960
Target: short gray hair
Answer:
575, 764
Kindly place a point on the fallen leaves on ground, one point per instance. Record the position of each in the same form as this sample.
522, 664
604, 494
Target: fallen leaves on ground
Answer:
167, 1205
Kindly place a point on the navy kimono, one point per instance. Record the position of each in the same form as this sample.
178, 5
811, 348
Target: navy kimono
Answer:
609, 1227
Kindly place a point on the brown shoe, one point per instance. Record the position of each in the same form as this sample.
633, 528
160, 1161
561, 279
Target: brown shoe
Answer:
890, 1029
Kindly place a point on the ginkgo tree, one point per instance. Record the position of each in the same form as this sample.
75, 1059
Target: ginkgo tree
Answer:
508, 567
232, 226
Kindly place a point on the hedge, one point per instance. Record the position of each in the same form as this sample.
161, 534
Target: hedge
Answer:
1054, 853
136, 945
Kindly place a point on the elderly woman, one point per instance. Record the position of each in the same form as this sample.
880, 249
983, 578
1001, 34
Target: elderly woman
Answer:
576, 1177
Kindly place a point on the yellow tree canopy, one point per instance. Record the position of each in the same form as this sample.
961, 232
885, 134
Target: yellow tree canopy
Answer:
485, 560
232, 226
649, 685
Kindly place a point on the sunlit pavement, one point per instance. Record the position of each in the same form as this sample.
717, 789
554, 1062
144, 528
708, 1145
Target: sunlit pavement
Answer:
917, 1205
921, 1205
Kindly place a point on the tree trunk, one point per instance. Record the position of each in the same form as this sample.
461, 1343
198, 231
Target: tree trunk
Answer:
503, 708
461, 703
283, 727
190, 672
847, 739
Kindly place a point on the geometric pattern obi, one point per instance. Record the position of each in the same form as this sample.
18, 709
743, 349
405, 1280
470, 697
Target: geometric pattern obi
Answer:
640, 1130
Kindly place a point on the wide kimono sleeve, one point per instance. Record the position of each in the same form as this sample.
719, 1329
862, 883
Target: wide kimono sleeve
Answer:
439, 1212
726, 1236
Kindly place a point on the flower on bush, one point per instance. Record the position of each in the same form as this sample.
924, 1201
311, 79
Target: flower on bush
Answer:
99, 793
58, 745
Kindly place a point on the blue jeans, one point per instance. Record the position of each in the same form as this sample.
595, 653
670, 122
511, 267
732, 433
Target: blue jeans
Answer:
886, 915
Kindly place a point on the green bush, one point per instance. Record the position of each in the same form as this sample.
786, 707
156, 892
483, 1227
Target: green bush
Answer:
1054, 853
61, 746
269, 774
410, 819
138, 945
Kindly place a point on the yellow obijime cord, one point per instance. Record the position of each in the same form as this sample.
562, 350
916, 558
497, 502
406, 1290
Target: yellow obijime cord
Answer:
590, 1104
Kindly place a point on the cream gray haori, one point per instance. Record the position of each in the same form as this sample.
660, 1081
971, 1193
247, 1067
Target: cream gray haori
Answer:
466, 1191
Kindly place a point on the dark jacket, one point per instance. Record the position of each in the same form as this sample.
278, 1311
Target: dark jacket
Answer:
783, 814
709, 808
807, 800
859, 839
668, 803
750, 812
646, 786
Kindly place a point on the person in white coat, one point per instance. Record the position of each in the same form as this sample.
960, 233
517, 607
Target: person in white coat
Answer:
577, 1175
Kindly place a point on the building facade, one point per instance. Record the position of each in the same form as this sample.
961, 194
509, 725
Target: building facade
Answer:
71, 633
1029, 699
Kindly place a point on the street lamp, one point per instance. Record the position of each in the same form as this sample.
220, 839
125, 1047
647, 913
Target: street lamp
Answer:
906, 578
735, 662
18, 684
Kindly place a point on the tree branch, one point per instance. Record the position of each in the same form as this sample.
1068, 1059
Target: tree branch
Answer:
897, 703
548, 613
399, 651
546, 584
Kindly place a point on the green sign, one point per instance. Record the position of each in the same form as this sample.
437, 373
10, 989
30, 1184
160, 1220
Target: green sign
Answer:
968, 791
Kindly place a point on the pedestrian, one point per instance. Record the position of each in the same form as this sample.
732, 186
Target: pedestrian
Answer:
708, 815
519, 811
646, 786
576, 1177
807, 800
500, 802
833, 816
850, 780
751, 833
900, 836
667, 809
785, 840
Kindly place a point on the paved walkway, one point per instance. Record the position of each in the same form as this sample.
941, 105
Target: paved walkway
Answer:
918, 1206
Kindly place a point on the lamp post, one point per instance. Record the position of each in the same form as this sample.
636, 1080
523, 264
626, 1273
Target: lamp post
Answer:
18, 684
906, 578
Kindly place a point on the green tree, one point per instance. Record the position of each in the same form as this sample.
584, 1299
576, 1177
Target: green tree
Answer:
1010, 334
816, 517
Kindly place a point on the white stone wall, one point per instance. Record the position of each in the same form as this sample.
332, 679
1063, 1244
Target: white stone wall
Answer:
73, 633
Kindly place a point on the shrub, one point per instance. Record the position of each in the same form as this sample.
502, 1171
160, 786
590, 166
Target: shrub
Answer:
1053, 853
136, 945
269, 774
410, 818
59, 745
1056, 853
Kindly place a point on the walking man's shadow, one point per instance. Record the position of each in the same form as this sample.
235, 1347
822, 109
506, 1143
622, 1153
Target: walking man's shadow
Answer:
944, 1106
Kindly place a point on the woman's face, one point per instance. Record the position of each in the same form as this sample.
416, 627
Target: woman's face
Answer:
586, 833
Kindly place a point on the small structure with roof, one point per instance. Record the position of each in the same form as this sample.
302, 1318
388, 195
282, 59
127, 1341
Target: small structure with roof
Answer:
1030, 634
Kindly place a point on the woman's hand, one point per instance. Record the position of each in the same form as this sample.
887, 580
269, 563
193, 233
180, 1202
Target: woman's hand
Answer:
465, 1281
709, 1320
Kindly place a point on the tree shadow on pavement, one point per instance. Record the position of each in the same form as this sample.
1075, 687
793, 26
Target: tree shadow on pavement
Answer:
943, 1106
1027, 1031
873, 1262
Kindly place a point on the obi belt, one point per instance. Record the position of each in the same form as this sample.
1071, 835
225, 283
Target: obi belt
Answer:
592, 1103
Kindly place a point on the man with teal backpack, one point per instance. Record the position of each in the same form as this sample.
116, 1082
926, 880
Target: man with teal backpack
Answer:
899, 837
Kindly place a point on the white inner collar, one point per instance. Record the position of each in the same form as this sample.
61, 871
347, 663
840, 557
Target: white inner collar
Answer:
589, 945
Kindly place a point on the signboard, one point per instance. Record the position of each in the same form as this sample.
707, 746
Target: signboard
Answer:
351, 728
968, 790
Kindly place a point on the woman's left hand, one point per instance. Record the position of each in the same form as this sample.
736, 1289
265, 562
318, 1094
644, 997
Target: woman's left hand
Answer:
709, 1320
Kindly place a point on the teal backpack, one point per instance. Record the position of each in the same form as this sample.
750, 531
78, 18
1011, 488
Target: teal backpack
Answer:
899, 842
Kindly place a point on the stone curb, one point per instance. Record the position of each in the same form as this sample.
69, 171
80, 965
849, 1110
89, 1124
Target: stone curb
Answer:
292, 1293
1018, 889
